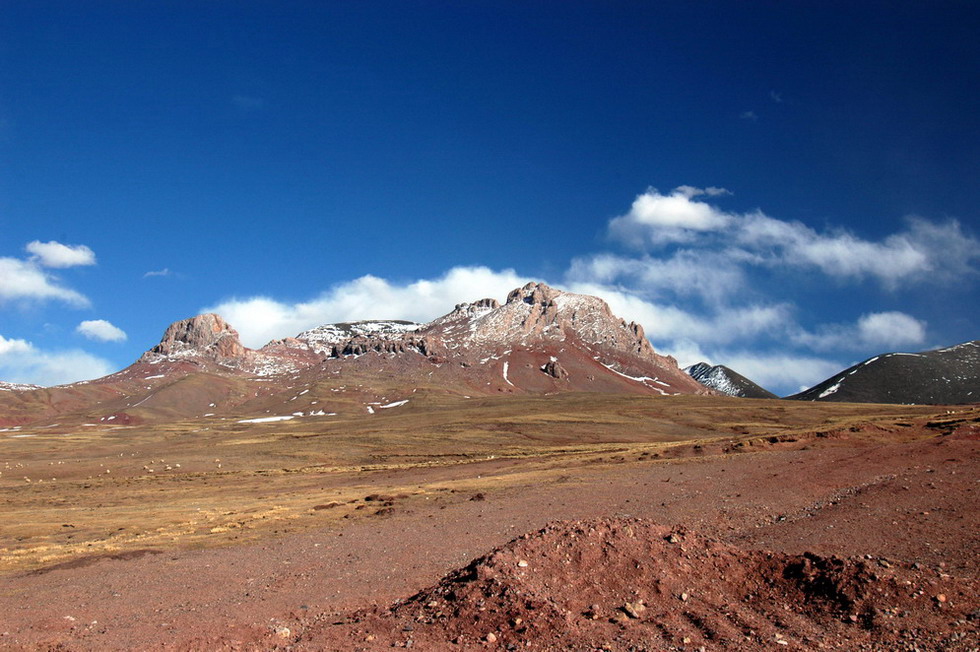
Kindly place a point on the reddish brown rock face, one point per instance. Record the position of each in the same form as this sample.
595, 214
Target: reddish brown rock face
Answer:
205, 335
540, 341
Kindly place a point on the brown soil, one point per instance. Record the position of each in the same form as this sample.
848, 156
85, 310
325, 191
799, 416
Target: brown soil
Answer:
836, 527
627, 583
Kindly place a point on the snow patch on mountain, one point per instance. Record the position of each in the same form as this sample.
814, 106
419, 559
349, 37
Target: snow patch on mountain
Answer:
17, 387
322, 339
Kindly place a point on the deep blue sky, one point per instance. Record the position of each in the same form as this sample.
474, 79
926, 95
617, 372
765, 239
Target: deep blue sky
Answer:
286, 150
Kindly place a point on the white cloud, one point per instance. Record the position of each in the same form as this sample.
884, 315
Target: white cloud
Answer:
101, 330
837, 254
781, 373
874, 331
24, 279
668, 322
728, 242
13, 346
160, 272
891, 329
21, 362
55, 254
710, 275
657, 219
261, 319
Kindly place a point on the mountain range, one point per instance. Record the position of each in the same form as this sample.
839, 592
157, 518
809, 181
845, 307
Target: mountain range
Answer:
539, 341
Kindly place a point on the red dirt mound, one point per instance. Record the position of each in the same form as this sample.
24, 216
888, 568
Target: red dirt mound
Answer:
629, 584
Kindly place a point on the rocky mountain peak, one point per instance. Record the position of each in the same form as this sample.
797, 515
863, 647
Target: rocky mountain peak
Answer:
476, 308
207, 336
534, 293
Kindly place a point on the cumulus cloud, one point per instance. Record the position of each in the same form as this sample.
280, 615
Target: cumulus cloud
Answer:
720, 337
668, 322
22, 362
837, 254
55, 254
656, 219
710, 275
13, 346
875, 330
891, 329
261, 319
781, 373
25, 279
729, 242
101, 330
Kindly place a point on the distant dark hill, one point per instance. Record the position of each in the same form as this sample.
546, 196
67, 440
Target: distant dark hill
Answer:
943, 376
727, 381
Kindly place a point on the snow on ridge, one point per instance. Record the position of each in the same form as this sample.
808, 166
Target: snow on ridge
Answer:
830, 390
10, 387
719, 380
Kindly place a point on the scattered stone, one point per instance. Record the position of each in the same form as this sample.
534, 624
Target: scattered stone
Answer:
555, 370
634, 609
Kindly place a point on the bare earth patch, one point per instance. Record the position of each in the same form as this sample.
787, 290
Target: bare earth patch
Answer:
787, 526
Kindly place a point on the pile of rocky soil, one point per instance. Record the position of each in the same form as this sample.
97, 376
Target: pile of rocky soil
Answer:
630, 584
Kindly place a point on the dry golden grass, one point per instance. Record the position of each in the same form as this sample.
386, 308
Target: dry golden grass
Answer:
71, 493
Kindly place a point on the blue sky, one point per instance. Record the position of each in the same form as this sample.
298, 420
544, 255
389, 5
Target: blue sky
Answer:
786, 188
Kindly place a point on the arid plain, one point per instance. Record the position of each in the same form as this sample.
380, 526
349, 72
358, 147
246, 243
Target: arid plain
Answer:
210, 533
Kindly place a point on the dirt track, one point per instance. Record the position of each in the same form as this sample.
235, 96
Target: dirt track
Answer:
912, 501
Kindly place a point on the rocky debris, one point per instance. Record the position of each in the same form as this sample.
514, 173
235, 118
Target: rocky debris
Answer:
583, 584
365, 344
555, 370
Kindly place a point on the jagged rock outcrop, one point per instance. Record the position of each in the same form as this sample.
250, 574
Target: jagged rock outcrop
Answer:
360, 345
204, 336
333, 338
555, 370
